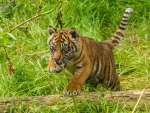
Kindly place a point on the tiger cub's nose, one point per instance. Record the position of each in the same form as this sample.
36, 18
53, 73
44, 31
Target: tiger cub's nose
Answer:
57, 60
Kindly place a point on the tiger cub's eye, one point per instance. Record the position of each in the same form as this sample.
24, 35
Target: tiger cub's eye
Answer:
65, 48
52, 48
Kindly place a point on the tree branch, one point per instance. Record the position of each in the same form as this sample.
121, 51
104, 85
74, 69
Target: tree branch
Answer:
10, 66
129, 97
34, 17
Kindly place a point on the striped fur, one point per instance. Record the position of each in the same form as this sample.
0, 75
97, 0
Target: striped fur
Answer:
115, 39
86, 59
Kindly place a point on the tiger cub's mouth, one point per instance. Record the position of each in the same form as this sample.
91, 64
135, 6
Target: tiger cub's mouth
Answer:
60, 64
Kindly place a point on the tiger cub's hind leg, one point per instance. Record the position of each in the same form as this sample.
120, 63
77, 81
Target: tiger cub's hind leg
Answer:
114, 84
117, 84
52, 67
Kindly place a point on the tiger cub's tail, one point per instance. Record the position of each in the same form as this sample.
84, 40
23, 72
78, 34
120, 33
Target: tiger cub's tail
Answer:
120, 31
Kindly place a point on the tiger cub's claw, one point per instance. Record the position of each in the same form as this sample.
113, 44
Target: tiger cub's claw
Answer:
72, 89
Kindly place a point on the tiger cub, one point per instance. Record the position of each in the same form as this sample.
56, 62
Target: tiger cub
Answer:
86, 59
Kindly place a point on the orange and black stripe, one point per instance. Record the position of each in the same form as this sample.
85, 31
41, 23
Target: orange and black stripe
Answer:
120, 31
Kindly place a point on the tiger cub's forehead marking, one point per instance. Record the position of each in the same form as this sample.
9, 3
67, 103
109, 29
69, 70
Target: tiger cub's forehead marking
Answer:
59, 37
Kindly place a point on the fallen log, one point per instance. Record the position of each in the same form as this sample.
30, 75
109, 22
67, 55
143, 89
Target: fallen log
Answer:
130, 97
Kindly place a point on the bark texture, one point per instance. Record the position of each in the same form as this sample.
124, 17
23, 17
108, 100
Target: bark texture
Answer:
129, 97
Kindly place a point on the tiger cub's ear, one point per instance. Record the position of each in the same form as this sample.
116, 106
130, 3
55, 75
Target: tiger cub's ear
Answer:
51, 30
73, 34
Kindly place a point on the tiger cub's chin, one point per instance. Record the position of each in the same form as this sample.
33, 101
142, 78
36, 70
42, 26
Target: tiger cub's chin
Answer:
56, 69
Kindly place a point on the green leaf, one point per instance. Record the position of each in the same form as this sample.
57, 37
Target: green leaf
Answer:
9, 46
12, 36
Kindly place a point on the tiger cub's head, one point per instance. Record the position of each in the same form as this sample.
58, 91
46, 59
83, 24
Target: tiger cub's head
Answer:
63, 45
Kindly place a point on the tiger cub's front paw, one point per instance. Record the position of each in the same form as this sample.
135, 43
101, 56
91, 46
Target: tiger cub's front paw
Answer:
72, 89
52, 67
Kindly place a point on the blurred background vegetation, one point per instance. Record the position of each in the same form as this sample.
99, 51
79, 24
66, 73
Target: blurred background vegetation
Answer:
28, 50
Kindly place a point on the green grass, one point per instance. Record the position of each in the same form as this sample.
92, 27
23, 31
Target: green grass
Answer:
29, 52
